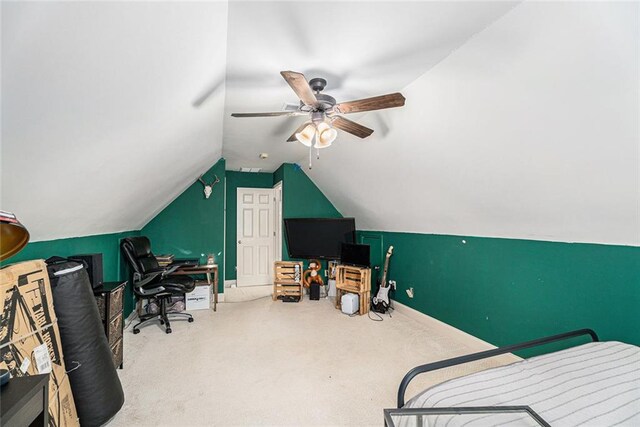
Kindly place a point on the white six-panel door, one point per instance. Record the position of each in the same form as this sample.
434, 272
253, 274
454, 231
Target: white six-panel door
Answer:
255, 240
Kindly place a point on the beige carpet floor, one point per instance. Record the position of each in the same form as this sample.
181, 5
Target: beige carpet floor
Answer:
272, 363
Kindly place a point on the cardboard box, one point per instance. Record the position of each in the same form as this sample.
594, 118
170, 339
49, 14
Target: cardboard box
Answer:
199, 298
29, 335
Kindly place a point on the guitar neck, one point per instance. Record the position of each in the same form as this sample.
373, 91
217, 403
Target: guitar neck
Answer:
383, 282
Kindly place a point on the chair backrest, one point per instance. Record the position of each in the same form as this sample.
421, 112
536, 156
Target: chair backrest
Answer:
137, 250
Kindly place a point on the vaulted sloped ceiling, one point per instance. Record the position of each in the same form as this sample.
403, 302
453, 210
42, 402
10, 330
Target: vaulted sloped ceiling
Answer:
530, 130
101, 124
521, 119
362, 49
111, 109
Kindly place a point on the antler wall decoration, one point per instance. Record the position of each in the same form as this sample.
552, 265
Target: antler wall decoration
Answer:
208, 188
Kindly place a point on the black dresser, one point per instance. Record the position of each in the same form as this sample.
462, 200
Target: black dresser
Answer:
110, 299
25, 401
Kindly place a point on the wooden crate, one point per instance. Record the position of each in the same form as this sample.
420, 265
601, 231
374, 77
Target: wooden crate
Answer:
287, 290
285, 283
284, 271
353, 279
356, 280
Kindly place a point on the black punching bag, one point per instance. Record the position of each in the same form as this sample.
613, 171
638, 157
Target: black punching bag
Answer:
92, 374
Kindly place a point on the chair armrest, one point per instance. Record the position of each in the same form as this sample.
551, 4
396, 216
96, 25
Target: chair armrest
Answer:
172, 268
150, 291
139, 281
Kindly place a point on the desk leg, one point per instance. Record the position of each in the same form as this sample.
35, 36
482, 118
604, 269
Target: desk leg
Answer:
215, 290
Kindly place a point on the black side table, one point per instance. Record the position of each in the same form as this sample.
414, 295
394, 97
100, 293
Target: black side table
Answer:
110, 299
25, 401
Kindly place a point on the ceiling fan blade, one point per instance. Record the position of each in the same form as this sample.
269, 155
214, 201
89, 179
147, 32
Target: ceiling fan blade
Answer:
301, 87
369, 104
272, 114
351, 127
293, 135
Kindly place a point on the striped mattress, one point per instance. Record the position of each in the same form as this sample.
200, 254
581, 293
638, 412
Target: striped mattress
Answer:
596, 384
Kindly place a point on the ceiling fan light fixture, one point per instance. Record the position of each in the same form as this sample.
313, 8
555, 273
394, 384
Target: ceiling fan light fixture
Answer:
306, 135
326, 135
325, 114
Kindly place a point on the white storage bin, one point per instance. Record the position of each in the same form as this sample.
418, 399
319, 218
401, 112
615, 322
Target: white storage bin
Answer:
350, 303
199, 299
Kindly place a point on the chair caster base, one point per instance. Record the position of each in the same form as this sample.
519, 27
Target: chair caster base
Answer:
168, 330
136, 331
190, 320
162, 322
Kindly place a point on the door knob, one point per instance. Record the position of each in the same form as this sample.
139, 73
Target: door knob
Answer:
239, 242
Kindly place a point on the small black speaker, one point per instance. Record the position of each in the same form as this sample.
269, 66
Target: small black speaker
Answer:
94, 267
314, 291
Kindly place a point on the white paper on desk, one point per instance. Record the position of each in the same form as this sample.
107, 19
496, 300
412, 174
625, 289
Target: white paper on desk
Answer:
43, 361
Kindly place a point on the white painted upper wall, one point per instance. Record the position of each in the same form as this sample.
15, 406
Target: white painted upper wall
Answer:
99, 127
529, 130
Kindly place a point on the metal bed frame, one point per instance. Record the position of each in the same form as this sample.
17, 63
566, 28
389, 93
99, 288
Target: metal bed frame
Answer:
459, 410
486, 354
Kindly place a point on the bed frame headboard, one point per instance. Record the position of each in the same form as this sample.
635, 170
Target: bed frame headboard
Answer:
485, 354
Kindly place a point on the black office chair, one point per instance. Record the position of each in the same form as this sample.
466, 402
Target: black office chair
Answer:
152, 281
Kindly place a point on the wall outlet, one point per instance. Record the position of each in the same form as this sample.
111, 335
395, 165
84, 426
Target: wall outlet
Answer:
392, 283
410, 292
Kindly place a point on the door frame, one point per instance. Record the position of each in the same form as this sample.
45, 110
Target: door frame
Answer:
278, 222
277, 237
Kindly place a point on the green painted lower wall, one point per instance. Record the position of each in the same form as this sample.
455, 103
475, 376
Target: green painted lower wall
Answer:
192, 225
108, 245
500, 290
506, 290
237, 180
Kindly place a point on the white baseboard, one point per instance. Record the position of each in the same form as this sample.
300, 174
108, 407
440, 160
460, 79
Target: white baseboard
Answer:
230, 283
221, 297
469, 339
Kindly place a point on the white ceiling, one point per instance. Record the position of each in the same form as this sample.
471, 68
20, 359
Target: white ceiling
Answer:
361, 48
99, 130
521, 119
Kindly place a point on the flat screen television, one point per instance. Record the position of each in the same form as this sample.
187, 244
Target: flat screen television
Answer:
320, 238
358, 255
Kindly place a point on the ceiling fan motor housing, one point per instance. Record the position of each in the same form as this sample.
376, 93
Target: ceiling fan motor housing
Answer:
317, 117
325, 102
317, 84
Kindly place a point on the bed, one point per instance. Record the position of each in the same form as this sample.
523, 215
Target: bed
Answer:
596, 384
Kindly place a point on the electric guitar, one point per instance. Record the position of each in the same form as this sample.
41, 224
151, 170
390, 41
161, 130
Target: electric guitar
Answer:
381, 300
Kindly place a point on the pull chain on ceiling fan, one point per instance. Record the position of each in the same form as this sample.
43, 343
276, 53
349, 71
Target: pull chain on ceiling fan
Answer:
325, 113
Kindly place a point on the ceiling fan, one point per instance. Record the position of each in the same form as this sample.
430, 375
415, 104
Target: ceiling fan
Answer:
324, 112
